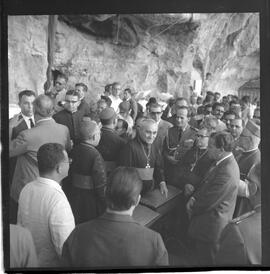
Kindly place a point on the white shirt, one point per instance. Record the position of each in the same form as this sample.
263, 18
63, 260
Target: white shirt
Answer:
27, 120
115, 103
45, 211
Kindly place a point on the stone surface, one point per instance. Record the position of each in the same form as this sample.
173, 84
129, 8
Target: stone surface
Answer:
157, 53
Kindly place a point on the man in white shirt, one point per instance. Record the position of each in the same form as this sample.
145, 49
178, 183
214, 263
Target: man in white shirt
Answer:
115, 96
44, 208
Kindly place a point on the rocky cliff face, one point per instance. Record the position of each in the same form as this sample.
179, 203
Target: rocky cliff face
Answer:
157, 53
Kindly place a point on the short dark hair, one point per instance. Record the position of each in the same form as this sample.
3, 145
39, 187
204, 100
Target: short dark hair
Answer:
73, 92
43, 106
229, 112
184, 107
49, 156
217, 93
106, 99
151, 100
223, 140
63, 76
84, 86
181, 99
124, 123
233, 102
26, 92
217, 104
123, 188
246, 99
128, 90
115, 84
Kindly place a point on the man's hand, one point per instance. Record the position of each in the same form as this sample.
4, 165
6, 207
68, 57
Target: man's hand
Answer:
189, 189
163, 188
189, 206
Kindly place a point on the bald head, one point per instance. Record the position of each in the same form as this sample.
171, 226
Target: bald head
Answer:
89, 130
43, 107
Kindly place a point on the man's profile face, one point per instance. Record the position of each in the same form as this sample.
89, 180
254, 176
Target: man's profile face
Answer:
182, 118
72, 103
148, 132
26, 105
155, 113
60, 84
236, 128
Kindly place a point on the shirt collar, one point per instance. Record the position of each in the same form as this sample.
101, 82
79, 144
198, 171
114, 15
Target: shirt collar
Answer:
44, 119
246, 151
50, 182
27, 117
221, 160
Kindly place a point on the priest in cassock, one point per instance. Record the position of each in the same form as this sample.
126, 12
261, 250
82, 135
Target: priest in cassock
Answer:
141, 154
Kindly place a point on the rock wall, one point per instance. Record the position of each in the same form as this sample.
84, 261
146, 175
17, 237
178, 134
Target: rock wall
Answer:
162, 58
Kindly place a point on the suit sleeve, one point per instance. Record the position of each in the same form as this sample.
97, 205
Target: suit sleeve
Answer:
18, 146
213, 192
231, 247
161, 252
100, 180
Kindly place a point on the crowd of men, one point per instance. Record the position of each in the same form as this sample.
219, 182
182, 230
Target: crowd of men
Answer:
78, 173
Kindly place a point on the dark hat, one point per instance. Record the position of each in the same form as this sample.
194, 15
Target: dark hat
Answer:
253, 128
124, 106
107, 113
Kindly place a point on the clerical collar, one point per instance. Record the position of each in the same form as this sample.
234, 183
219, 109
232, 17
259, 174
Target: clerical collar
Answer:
246, 151
221, 160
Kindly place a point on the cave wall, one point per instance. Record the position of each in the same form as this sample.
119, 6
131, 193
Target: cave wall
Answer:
164, 58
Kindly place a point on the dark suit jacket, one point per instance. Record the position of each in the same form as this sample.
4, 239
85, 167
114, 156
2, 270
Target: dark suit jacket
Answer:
114, 240
110, 144
240, 242
26, 145
14, 133
215, 202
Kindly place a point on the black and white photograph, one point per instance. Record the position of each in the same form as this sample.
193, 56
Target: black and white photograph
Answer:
133, 140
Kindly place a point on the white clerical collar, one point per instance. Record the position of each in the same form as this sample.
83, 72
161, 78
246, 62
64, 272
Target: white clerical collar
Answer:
250, 150
221, 160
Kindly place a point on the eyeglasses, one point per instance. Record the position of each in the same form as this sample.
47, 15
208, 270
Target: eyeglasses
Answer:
201, 136
155, 113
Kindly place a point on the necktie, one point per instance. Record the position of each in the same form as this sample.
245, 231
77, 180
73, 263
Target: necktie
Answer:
31, 123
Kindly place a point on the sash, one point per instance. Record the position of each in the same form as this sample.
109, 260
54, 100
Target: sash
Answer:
82, 181
146, 174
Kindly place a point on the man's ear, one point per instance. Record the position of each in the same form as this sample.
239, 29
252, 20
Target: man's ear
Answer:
138, 200
58, 169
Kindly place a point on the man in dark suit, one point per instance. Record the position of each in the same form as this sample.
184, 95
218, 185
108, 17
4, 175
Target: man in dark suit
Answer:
212, 205
115, 239
110, 142
24, 120
27, 143
240, 242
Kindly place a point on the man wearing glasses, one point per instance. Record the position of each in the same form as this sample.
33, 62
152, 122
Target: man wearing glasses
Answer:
70, 116
218, 111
